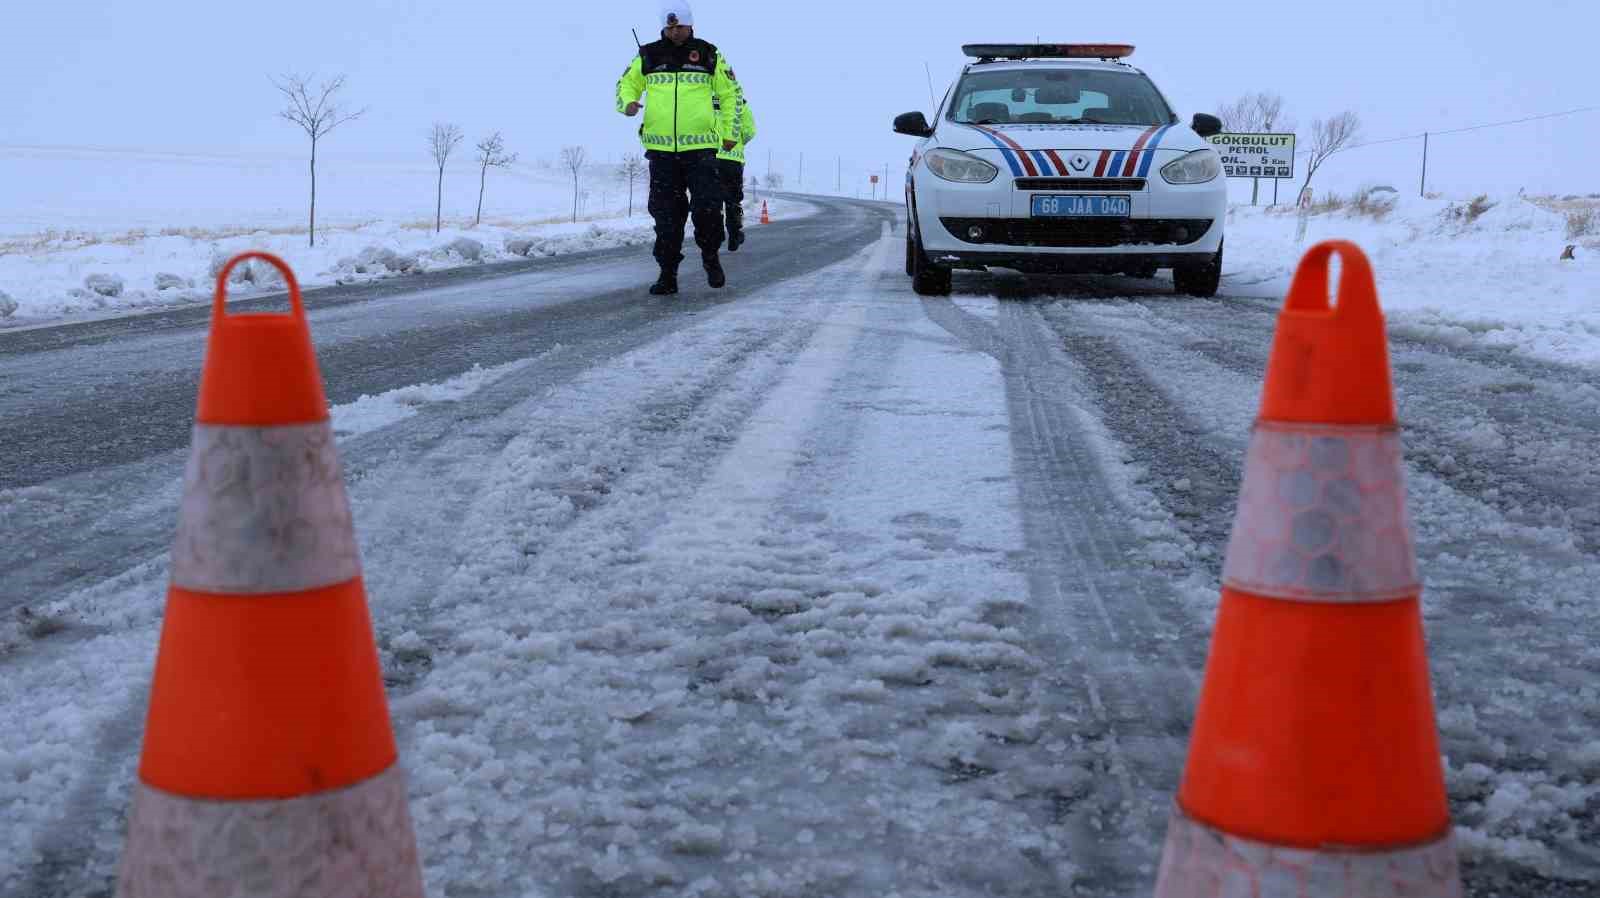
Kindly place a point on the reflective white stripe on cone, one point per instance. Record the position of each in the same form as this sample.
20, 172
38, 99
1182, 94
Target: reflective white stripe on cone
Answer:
1201, 862
264, 512
1322, 516
348, 843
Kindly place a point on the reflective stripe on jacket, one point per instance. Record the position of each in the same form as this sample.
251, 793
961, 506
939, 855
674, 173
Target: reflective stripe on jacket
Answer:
747, 133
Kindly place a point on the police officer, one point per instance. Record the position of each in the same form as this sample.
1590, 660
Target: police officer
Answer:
730, 166
681, 78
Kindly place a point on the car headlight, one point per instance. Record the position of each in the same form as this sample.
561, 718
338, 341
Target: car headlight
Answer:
954, 165
1192, 168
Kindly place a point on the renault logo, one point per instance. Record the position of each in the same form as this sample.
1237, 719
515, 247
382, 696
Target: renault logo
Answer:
1080, 162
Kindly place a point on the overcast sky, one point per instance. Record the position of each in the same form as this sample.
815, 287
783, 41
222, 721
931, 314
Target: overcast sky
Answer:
825, 76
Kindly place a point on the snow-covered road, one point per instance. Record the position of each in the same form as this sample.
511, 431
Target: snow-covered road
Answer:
813, 589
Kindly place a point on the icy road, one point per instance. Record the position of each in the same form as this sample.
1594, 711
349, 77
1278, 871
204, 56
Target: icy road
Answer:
807, 587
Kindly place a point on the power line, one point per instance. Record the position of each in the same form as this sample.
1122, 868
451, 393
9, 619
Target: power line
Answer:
1419, 135
1531, 118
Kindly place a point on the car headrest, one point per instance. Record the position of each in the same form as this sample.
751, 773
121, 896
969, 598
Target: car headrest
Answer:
999, 112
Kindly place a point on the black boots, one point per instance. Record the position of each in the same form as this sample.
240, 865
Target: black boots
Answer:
735, 239
714, 274
666, 285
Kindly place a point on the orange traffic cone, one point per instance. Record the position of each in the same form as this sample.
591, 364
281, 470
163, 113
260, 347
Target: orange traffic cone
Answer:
765, 218
269, 764
1314, 768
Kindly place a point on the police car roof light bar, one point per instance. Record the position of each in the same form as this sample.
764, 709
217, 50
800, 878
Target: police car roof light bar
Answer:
991, 52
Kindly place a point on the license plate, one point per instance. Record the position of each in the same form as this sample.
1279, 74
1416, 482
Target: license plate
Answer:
1081, 207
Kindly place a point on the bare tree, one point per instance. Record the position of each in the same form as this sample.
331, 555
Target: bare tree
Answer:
442, 141
1254, 113
1242, 116
317, 112
630, 171
1329, 137
574, 158
491, 154
1270, 106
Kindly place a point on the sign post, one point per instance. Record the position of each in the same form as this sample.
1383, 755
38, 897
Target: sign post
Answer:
875, 187
1304, 215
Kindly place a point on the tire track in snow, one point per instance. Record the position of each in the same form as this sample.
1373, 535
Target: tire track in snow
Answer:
420, 504
1487, 435
1406, 334
576, 558
975, 740
1125, 651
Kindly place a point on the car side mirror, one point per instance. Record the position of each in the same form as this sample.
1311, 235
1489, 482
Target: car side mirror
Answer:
1206, 125
913, 123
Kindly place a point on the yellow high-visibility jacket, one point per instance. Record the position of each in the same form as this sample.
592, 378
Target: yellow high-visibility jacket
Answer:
680, 84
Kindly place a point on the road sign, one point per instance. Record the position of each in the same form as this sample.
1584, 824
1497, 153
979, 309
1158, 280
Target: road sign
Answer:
874, 179
1256, 155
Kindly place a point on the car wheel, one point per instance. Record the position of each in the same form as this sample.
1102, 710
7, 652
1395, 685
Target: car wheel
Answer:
927, 278
1199, 280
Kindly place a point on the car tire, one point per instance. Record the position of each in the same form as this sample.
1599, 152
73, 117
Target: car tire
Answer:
927, 279
1199, 280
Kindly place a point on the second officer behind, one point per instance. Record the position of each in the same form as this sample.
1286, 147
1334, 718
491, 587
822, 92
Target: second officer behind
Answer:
730, 165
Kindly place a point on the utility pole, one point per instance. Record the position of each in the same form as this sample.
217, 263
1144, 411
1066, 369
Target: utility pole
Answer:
886, 181
1423, 190
802, 185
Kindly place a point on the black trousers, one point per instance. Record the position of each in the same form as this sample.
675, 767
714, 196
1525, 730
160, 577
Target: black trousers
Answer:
732, 192
685, 185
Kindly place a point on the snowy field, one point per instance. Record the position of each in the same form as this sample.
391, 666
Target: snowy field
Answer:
86, 235
1448, 271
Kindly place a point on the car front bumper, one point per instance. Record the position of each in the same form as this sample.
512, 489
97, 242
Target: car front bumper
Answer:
975, 225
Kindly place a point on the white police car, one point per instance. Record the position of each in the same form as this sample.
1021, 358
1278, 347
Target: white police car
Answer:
1062, 158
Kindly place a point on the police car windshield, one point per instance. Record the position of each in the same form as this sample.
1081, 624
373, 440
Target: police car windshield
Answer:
1058, 97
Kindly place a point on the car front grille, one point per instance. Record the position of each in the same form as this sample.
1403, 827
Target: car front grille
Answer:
1119, 185
1099, 232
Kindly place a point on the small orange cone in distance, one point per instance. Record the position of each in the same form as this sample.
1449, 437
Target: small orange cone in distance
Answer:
765, 218
1314, 767
269, 765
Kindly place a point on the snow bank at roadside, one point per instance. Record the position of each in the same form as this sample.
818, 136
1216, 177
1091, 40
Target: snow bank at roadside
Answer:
85, 276
1484, 272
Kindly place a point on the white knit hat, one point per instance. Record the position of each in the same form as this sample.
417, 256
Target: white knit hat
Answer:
676, 12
